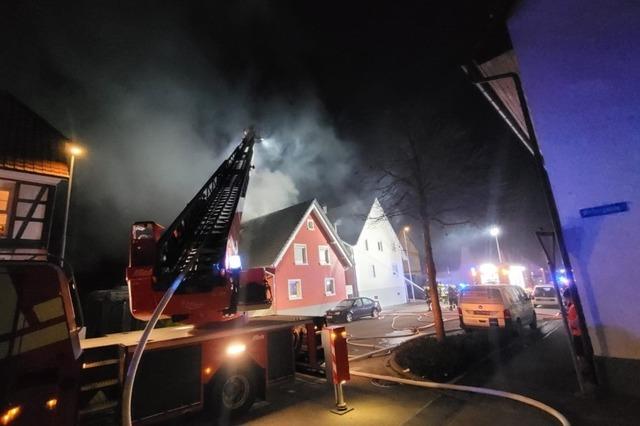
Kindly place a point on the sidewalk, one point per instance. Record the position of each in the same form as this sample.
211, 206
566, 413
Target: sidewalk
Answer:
543, 370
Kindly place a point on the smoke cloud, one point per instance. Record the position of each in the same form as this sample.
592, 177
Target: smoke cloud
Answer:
158, 115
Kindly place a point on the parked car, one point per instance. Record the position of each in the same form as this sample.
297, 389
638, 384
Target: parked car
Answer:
544, 295
502, 306
354, 308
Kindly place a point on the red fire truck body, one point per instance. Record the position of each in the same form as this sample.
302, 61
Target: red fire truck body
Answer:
218, 359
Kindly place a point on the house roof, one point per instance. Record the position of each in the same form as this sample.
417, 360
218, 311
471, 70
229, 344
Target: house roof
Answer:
28, 143
264, 240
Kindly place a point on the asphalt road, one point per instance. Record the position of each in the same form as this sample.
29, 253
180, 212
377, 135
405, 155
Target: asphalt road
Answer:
308, 401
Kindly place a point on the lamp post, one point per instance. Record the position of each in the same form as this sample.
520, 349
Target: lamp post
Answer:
406, 249
74, 151
495, 231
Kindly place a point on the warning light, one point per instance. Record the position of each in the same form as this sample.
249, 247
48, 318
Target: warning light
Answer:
10, 415
51, 404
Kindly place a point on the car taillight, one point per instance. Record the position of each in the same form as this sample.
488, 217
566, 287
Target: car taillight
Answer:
507, 314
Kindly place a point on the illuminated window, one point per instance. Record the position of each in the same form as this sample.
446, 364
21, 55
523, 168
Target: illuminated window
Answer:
325, 257
6, 189
300, 254
310, 225
329, 286
295, 289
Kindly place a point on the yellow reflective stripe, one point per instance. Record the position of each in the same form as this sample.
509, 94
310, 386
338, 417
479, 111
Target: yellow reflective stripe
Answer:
50, 309
40, 338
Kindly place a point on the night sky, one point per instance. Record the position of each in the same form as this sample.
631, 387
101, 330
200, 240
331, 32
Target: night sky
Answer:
159, 92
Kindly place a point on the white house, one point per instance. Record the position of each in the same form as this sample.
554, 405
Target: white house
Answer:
377, 252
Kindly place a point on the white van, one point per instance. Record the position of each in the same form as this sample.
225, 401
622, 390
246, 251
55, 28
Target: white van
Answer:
502, 306
545, 295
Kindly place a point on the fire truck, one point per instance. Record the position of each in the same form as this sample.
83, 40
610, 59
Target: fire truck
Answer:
216, 357
489, 273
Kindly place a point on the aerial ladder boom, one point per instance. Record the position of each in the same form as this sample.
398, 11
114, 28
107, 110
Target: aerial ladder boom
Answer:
202, 243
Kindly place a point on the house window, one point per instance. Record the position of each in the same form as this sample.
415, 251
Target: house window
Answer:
379, 245
329, 286
366, 245
373, 271
300, 254
295, 289
325, 258
5, 204
310, 225
394, 267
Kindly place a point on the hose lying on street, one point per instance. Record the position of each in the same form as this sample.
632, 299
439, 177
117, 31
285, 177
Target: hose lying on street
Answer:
446, 386
484, 391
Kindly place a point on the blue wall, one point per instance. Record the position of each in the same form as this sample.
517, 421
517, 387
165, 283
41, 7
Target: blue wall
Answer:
580, 66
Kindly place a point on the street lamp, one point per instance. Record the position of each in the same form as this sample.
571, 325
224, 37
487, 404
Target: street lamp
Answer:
495, 231
74, 151
406, 249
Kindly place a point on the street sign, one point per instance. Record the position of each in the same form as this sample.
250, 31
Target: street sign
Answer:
605, 209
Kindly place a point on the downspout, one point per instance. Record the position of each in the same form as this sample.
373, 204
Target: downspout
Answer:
550, 199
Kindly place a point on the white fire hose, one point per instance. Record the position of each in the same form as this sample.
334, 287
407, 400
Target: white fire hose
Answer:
484, 391
137, 354
446, 386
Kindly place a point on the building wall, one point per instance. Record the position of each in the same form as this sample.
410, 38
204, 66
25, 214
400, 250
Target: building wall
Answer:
578, 61
388, 285
31, 216
314, 301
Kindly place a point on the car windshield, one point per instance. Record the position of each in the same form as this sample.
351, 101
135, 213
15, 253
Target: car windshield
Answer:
480, 294
345, 303
544, 292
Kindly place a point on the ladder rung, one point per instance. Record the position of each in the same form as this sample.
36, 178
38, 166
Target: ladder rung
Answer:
100, 385
95, 364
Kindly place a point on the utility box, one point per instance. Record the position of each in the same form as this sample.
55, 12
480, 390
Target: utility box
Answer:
336, 354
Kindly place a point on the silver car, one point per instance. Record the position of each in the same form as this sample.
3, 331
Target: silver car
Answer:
544, 295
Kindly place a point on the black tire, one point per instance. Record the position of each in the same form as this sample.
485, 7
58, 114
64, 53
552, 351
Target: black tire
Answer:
375, 313
233, 393
349, 317
534, 322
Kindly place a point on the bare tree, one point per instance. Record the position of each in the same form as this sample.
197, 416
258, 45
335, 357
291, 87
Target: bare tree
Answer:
433, 176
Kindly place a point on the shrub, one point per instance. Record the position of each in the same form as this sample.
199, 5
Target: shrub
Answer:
426, 357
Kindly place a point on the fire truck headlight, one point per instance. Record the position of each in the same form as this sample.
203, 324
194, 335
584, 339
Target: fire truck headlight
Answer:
10, 415
235, 349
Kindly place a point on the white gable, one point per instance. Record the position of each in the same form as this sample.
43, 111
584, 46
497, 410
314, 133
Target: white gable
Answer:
378, 259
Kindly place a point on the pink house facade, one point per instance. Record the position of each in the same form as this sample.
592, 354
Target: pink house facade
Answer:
301, 256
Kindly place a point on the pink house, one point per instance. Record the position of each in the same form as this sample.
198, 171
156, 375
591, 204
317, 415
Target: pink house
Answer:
301, 256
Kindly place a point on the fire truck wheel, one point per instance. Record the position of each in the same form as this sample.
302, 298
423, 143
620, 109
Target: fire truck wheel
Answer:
234, 392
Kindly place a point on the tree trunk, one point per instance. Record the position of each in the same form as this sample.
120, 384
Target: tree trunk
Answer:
433, 284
